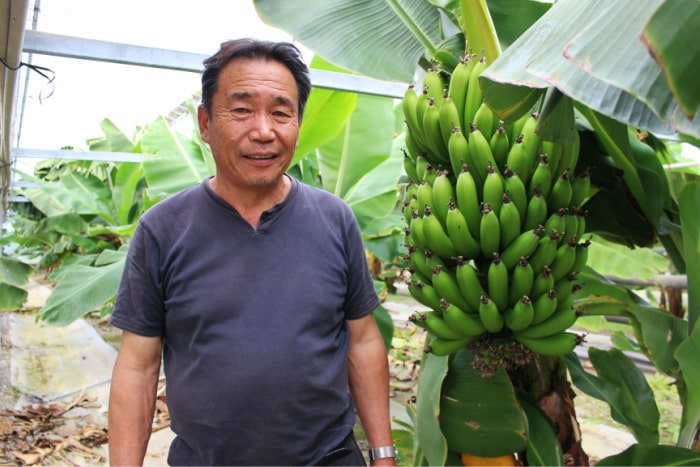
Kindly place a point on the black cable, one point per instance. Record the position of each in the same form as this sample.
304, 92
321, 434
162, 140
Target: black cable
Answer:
43, 71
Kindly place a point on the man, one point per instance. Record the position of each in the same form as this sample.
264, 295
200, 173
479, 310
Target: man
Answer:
255, 290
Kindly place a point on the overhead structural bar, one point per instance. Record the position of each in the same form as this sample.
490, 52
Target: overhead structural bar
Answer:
89, 49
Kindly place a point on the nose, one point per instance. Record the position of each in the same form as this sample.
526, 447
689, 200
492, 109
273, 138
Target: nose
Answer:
263, 127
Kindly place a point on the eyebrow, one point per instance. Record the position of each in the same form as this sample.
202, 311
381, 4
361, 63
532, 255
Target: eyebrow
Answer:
247, 95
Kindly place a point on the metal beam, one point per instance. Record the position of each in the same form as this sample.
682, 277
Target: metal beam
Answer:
88, 49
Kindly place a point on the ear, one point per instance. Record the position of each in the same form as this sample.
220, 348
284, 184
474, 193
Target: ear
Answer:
203, 120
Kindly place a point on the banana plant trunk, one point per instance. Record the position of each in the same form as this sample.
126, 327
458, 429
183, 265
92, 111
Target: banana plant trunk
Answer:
545, 380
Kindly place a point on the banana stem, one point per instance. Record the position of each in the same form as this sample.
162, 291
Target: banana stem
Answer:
479, 29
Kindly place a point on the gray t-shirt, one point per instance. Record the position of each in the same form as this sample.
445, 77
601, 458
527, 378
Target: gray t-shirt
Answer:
253, 321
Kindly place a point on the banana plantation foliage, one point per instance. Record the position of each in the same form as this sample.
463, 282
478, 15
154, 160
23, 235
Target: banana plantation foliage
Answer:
526, 164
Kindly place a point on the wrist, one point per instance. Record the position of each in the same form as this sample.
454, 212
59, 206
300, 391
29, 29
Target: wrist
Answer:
382, 452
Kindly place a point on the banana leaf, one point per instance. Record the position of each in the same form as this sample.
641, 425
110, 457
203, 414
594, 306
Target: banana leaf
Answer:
652, 455
365, 175
688, 203
432, 445
543, 447
612, 258
13, 275
687, 356
623, 386
591, 51
480, 415
83, 289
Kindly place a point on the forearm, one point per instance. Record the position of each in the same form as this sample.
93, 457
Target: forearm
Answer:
369, 385
131, 408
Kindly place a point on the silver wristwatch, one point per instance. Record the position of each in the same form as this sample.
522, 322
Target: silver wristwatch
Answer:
382, 452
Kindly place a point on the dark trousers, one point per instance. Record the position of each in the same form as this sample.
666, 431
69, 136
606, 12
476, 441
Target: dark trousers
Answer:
348, 453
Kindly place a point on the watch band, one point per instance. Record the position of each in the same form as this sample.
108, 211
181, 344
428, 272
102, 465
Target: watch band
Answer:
382, 452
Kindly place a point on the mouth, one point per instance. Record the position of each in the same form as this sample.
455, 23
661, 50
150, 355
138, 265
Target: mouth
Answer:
260, 157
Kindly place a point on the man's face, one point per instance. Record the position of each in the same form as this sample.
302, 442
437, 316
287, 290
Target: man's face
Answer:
254, 123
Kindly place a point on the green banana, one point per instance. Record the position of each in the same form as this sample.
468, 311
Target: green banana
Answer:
497, 282
555, 345
546, 250
553, 151
556, 221
458, 230
449, 118
544, 306
435, 324
409, 105
464, 323
418, 263
581, 256
536, 212
436, 238
580, 187
415, 230
531, 141
421, 106
524, 245
424, 293
432, 261
479, 153
469, 284
571, 227
409, 166
442, 347
485, 120
555, 324
522, 278
433, 133
467, 194
443, 194
457, 149
509, 219
544, 282
517, 160
561, 194
489, 231
490, 317
541, 177
474, 96
425, 196
457, 88
519, 316
493, 189
516, 190
500, 145
563, 260
580, 222
445, 284
434, 84
421, 166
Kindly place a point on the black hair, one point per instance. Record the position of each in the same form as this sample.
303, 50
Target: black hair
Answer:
284, 52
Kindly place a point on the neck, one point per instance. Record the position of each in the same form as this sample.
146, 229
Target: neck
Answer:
251, 203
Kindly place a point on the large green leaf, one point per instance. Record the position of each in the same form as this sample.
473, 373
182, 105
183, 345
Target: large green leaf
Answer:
669, 34
77, 193
480, 415
83, 289
652, 455
433, 445
566, 49
383, 39
622, 261
623, 386
125, 193
11, 297
174, 162
543, 447
688, 202
661, 334
687, 356
13, 271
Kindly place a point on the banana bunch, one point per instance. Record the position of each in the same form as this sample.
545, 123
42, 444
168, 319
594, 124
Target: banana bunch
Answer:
494, 219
